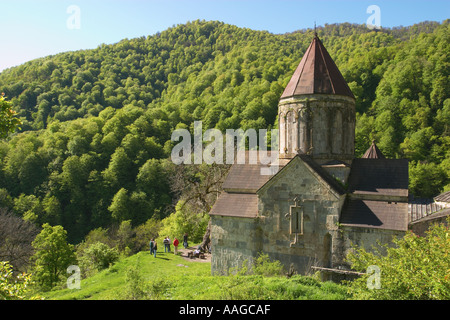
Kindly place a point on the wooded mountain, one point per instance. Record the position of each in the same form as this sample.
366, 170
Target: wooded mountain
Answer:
97, 123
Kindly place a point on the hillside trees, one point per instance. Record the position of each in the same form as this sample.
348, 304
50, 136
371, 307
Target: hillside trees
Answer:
97, 123
70, 173
8, 120
52, 256
16, 236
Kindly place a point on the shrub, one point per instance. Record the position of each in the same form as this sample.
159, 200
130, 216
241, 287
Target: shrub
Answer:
13, 287
136, 288
417, 268
96, 257
265, 267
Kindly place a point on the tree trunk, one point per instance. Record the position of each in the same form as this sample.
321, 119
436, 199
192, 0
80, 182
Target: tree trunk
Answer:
206, 239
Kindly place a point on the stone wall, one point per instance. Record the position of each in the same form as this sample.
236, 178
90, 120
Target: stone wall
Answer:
367, 238
321, 241
421, 226
233, 240
320, 206
317, 124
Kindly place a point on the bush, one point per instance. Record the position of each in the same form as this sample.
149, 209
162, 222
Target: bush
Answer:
139, 289
417, 268
136, 288
96, 257
265, 267
13, 287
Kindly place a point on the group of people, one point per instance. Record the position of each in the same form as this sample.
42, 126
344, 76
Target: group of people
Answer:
166, 242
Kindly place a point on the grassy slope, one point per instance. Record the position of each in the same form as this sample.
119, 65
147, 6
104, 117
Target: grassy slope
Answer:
165, 279
108, 283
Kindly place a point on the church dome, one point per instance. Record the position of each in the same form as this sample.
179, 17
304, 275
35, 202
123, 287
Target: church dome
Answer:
317, 74
316, 112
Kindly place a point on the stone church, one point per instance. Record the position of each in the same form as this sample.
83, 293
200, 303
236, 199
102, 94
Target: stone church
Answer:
321, 200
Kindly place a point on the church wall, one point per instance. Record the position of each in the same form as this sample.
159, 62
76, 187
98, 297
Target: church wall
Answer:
321, 208
321, 124
233, 240
420, 227
367, 238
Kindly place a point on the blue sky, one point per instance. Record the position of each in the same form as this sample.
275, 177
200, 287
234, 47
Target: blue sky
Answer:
36, 28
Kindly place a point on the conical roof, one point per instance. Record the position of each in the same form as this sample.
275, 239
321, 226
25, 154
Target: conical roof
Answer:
317, 73
373, 152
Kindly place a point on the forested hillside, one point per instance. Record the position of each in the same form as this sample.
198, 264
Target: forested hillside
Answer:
95, 140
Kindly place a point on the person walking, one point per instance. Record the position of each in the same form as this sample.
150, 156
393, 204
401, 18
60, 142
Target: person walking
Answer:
185, 240
153, 247
175, 245
167, 244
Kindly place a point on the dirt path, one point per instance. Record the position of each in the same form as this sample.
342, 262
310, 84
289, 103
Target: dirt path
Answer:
184, 254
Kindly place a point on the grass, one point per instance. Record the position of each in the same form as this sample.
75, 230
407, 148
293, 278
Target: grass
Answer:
171, 277
107, 284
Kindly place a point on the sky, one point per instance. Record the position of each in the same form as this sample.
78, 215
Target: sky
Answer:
35, 28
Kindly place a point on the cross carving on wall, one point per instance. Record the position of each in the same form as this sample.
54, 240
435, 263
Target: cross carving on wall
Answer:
295, 215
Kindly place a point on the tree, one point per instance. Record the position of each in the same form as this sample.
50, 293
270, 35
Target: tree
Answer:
120, 169
146, 231
16, 236
184, 221
426, 180
120, 208
8, 120
198, 187
52, 256
124, 236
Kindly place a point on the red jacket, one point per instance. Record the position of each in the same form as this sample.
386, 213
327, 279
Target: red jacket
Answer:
175, 242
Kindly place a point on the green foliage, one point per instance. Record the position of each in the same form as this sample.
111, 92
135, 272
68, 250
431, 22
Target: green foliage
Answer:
263, 266
183, 221
52, 256
14, 287
96, 257
8, 120
145, 232
46, 175
97, 123
417, 268
427, 179
136, 288
170, 277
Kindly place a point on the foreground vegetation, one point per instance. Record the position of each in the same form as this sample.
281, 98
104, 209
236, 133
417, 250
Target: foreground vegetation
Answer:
416, 268
171, 277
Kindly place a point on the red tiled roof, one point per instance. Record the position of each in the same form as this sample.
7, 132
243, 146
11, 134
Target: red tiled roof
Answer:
244, 205
443, 197
317, 73
373, 152
375, 214
379, 177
